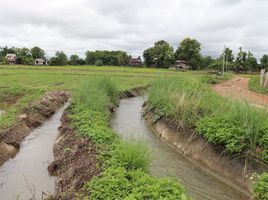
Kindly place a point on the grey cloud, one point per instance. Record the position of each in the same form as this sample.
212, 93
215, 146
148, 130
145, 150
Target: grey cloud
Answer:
78, 25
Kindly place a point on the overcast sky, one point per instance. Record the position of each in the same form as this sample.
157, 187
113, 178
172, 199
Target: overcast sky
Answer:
134, 25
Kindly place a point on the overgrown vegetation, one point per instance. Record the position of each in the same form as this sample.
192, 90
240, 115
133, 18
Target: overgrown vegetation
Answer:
124, 163
254, 85
260, 188
240, 127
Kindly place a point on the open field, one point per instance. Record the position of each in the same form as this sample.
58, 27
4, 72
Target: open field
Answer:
20, 85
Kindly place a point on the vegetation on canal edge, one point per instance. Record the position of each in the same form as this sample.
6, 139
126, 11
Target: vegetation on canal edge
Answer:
260, 188
124, 164
240, 127
254, 85
14, 100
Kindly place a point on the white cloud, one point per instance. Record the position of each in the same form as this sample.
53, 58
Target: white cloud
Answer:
79, 25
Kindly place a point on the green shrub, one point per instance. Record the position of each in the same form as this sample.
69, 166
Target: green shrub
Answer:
133, 154
92, 124
184, 100
254, 85
96, 93
239, 126
260, 188
119, 183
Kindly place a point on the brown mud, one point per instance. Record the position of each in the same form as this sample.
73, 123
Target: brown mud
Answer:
213, 159
33, 116
134, 92
75, 161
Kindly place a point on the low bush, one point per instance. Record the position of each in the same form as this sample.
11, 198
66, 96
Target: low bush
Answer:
260, 188
254, 85
239, 126
96, 93
184, 100
133, 154
119, 183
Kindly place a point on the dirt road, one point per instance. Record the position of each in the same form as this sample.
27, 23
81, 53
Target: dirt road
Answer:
238, 88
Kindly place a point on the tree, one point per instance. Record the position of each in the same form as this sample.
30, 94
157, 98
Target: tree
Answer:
161, 55
217, 65
74, 59
24, 56
189, 50
205, 62
59, 59
241, 60
116, 58
37, 52
229, 57
251, 62
264, 61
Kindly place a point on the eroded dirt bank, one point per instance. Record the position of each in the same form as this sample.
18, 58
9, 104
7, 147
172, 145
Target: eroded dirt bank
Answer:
75, 161
75, 157
214, 159
33, 116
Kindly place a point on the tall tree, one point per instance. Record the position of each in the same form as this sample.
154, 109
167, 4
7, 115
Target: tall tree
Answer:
241, 61
189, 50
37, 52
251, 62
74, 59
229, 57
161, 55
264, 61
60, 58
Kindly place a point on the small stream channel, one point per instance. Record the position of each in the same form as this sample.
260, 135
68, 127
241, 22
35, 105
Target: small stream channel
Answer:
127, 121
26, 175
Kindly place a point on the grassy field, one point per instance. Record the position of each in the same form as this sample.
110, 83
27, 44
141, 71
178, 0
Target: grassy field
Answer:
20, 85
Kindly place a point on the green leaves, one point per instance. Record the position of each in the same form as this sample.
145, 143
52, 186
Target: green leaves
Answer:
119, 183
260, 188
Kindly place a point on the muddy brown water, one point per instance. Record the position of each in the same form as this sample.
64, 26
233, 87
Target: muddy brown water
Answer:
127, 121
26, 176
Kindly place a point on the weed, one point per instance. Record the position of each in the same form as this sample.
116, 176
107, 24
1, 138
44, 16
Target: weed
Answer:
260, 188
133, 154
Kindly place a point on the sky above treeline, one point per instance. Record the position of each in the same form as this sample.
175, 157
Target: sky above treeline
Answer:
76, 26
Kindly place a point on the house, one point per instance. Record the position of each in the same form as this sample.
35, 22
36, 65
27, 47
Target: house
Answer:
40, 61
11, 58
135, 62
180, 65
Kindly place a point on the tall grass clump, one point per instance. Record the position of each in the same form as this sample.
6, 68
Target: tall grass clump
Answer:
184, 100
133, 154
96, 93
241, 127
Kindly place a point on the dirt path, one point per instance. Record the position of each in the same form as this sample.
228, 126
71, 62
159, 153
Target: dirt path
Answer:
237, 88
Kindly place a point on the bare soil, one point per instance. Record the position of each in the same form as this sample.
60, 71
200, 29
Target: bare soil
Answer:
238, 88
138, 91
33, 116
75, 161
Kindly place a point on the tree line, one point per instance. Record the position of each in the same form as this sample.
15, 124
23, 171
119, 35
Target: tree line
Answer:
160, 55
27, 56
